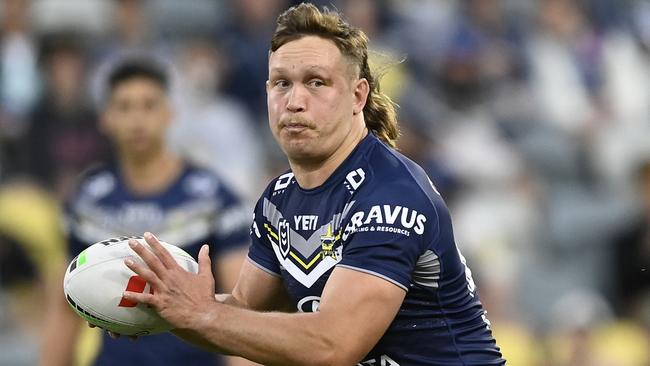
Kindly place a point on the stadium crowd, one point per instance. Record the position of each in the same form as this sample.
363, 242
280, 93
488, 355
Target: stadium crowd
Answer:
532, 117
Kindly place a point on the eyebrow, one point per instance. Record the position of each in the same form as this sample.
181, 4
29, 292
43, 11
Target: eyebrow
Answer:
284, 69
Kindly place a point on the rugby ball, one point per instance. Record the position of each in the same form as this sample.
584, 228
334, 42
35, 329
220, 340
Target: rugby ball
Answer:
95, 280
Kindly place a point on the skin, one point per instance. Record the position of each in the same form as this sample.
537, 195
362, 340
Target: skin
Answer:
315, 113
315, 107
136, 119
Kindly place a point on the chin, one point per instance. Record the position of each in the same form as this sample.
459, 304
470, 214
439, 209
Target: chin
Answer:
299, 152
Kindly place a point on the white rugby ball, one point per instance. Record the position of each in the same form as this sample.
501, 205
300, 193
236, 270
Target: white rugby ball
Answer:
97, 277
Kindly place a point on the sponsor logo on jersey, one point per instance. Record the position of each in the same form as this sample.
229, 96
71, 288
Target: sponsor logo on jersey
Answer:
383, 360
306, 222
354, 179
309, 304
282, 182
386, 218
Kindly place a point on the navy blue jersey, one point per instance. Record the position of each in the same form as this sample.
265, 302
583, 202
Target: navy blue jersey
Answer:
380, 214
196, 209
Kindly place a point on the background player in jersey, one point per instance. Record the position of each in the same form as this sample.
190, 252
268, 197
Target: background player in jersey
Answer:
148, 186
355, 242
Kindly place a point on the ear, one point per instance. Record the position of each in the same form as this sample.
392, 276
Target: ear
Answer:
361, 91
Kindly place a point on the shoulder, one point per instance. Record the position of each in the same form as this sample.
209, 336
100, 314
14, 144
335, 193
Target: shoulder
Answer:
279, 185
199, 181
394, 177
396, 190
96, 182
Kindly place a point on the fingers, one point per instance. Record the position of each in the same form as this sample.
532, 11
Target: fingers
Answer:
143, 298
152, 261
147, 274
205, 264
161, 252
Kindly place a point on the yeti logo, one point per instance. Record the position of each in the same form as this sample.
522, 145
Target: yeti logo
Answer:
283, 240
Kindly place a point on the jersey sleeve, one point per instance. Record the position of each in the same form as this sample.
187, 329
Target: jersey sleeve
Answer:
261, 252
386, 238
232, 223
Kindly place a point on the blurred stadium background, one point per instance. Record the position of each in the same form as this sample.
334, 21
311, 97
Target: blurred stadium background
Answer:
532, 117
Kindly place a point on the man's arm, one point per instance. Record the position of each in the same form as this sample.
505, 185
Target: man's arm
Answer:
250, 288
228, 268
355, 311
61, 328
255, 290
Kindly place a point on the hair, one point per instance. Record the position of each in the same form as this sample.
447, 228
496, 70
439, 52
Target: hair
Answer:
63, 42
306, 19
137, 68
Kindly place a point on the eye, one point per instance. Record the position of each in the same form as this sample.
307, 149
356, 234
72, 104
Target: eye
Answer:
316, 83
281, 83
123, 106
149, 104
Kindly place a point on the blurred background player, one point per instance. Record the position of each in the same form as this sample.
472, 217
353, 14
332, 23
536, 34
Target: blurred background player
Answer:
62, 139
146, 186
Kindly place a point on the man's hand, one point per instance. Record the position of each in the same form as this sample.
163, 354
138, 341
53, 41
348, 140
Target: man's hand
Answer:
178, 296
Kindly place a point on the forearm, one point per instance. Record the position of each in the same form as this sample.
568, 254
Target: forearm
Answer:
267, 338
229, 299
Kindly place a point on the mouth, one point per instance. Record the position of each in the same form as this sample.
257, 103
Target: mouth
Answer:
294, 127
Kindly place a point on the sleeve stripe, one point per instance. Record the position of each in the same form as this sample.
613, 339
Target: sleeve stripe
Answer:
375, 274
272, 273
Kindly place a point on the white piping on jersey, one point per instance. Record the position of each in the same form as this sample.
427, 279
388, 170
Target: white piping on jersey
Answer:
374, 274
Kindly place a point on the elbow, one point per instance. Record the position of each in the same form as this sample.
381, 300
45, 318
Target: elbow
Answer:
328, 358
334, 355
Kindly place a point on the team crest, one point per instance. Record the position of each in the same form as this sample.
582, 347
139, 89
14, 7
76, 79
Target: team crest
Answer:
327, 244
283, 240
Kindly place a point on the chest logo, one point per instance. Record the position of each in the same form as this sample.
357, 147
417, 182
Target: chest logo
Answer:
283, 240
327, 244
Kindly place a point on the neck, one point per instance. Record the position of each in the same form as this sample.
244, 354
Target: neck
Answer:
314, 173
151, 174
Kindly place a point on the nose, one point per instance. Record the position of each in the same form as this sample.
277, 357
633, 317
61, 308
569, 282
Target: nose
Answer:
296, 100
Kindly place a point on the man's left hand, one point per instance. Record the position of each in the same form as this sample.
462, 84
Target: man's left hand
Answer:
178, 296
